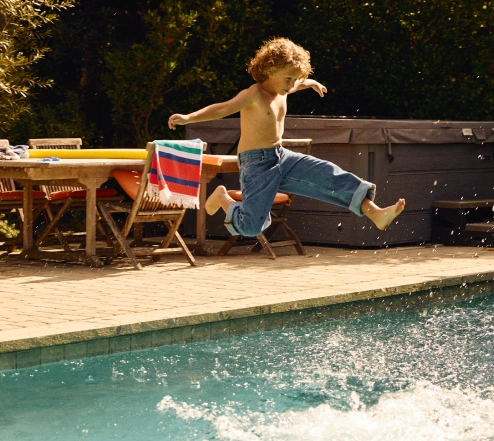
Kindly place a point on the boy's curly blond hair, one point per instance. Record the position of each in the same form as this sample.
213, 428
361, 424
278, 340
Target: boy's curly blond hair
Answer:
279, 53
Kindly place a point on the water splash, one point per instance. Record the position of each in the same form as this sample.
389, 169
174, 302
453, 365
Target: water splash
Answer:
424, 375
422, 413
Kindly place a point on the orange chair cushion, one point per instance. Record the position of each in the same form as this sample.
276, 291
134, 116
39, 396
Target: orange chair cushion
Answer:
280, 198
100, 192
18, 195
129, 181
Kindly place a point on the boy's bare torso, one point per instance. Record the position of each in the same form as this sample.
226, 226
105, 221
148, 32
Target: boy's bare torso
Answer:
262, 121
262, 109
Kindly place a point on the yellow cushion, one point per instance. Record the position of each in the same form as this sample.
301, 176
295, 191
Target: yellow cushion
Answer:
89, 153
107, 154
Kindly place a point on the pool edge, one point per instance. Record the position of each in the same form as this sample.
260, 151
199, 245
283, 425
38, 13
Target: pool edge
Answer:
52, 348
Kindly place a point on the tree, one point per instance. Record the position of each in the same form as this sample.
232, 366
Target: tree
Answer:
23, 25
424, 59
193, 52
138, 79
121, 67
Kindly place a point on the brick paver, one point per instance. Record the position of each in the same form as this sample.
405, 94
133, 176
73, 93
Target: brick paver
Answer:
45, 304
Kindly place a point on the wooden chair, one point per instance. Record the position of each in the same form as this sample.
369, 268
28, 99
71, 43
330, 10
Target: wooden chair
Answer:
12, 199
279, 211
487, 226
65, 198
144, 209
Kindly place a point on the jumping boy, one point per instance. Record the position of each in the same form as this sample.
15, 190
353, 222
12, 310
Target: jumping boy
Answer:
280, 67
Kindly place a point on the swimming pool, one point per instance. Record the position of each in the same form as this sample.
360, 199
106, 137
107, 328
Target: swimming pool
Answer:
426, 375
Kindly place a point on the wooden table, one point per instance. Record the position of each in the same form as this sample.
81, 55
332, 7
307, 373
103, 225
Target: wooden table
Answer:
88, 173
91, 173
228, 165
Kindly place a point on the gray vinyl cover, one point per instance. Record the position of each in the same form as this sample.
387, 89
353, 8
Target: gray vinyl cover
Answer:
357, 131
421, 161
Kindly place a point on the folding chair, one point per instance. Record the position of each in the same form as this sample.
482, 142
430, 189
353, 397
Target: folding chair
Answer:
144, 209
65, 198
279, 211
12, 199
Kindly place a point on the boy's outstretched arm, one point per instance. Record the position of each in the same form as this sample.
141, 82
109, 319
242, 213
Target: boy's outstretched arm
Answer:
309, 83
214, 111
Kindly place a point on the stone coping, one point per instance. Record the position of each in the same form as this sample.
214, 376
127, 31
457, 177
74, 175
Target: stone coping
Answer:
52, 312
65, 346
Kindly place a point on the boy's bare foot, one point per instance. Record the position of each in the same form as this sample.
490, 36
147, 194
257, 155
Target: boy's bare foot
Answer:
219, 198
382, 217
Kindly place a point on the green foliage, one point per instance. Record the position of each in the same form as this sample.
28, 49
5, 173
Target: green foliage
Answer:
7, 229
23, 28
138, 79
64, 119
452, 45
78, 98
190, 56
409, 59
121, 68
222, 42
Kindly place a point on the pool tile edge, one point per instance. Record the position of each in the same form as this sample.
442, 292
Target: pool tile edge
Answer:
28, 352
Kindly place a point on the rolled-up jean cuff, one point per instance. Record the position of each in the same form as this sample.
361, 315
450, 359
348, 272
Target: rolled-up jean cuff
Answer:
365, 189
228, 219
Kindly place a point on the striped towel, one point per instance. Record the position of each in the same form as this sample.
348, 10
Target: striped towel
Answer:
176, 172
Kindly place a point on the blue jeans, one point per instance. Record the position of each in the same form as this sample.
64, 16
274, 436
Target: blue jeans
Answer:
264, 172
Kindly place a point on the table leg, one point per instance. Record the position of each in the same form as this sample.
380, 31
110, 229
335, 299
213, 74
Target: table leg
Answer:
91, 258
91, 185
208, 173
91, 221
199, 247
27, 229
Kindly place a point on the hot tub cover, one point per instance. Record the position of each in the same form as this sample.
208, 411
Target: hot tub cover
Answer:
324, 130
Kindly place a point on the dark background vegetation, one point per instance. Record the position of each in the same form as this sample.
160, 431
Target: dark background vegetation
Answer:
121, 67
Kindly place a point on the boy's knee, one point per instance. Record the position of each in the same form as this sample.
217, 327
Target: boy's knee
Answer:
238, 222
250, 227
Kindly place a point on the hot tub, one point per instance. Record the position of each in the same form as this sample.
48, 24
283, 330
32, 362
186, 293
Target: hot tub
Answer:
421, 161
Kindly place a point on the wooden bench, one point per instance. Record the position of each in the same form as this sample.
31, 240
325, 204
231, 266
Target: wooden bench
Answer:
465, 204
487, 227
467, 222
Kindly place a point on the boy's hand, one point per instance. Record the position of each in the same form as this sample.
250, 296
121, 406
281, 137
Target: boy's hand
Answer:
309, 83
176, 119
319, 88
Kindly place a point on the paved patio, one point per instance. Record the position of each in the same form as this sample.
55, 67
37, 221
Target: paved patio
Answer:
52, 311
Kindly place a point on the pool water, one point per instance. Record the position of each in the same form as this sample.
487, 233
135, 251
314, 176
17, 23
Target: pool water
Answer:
426, 375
